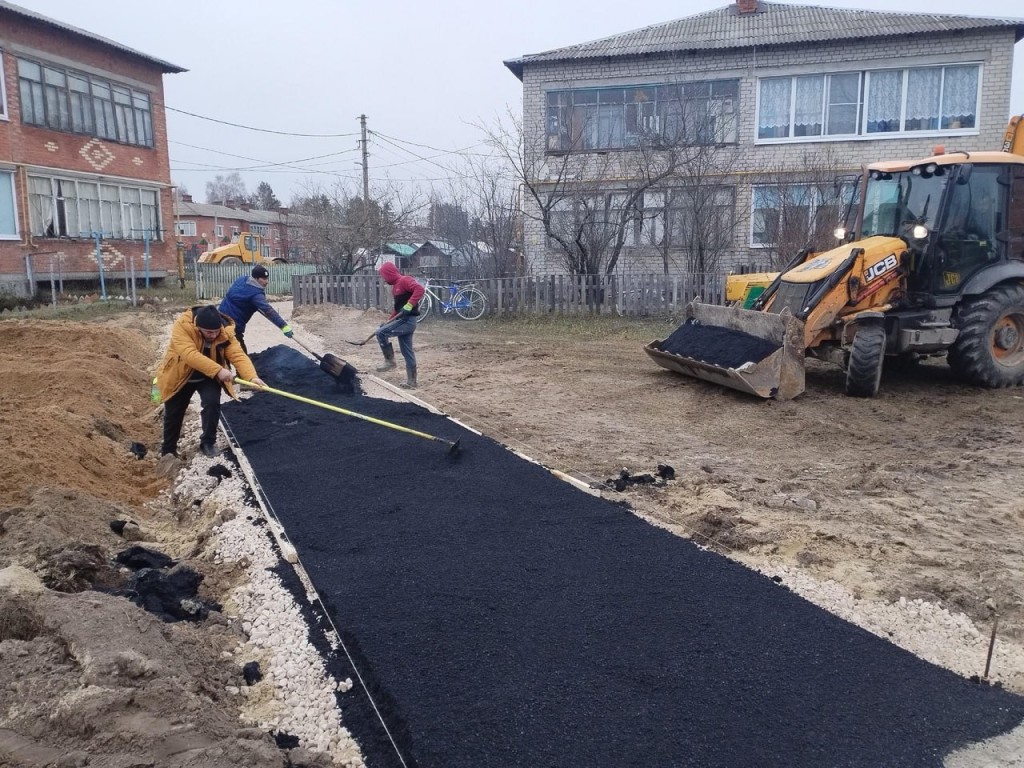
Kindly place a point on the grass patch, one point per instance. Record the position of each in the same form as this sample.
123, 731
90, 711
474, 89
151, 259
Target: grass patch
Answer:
87, 305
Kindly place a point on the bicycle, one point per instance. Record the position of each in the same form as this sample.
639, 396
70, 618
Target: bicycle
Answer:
467, 301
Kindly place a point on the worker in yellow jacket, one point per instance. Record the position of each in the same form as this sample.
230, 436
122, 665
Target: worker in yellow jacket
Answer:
202, 346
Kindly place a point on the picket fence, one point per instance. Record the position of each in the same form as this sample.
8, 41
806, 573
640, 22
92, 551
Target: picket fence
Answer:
632, 295
213, 280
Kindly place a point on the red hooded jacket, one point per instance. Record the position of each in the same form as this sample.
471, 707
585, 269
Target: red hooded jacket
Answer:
405, 289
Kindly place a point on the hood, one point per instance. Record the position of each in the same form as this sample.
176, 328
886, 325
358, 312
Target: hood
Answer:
389, 272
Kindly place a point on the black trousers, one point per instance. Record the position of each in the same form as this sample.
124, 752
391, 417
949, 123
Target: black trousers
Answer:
174, 413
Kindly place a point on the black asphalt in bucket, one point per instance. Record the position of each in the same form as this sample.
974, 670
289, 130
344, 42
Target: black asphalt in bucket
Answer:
503, 618
724, 347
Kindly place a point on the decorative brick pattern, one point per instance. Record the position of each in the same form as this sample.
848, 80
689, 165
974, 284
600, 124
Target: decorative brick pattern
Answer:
96, 154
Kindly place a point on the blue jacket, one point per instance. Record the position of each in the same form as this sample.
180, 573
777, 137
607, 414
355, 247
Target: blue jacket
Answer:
245, 298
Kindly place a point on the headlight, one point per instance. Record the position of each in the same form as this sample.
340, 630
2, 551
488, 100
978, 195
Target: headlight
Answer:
920, 232
839, 233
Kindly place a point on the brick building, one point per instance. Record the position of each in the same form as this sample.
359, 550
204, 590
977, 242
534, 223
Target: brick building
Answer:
763, 105
205, 226
85, 183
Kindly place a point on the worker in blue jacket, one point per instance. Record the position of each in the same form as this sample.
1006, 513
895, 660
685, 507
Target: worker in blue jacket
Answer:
246, 297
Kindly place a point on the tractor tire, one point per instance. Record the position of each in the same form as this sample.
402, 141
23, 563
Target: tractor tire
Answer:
867, 356
989, 352
232, 260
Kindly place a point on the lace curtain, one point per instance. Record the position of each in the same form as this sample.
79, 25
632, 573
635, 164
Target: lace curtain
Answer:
773, 117
923, 99
810, 93
959, 97
885, 91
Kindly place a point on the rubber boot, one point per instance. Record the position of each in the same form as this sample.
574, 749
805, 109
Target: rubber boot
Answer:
410, 377
389, 358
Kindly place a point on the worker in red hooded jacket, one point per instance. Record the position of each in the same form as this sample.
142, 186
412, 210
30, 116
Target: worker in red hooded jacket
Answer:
402, 321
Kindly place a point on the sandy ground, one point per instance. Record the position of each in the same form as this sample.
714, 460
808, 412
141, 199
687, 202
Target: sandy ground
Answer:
903, 513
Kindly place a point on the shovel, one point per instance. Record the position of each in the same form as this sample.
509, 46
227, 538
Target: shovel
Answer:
453, 446
334, 366
360, 343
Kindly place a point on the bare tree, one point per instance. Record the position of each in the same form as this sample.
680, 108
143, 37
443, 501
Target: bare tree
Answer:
225, 188
592, 204
342, 234
799, 209
180, 191
483, 225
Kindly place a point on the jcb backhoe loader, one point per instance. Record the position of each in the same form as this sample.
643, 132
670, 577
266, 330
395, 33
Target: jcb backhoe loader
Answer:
933, 265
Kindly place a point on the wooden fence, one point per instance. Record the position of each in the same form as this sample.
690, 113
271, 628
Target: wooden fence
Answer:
633, 295
213, 280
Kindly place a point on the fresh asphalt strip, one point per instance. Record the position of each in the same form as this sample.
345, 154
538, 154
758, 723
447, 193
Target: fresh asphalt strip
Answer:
502, 618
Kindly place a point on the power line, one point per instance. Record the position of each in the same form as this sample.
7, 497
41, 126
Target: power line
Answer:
462, 151
262, 130
265, 163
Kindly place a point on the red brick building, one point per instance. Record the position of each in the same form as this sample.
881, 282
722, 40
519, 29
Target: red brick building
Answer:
85, 181
205, 226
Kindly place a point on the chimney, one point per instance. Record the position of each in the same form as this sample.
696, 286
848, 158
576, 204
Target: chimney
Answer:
746, 6
186, 198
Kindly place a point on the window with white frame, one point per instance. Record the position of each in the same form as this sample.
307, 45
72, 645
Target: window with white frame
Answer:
702, 112
260, 229
3, 87
185, 229
66, 207
8, 210
66, 100
700, 217
218, 231
795, 215
870, 102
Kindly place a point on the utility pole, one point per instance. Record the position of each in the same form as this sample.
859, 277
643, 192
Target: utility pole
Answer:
366, 163
366, 192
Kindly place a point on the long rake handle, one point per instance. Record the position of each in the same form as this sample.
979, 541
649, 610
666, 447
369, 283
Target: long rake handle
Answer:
330, 407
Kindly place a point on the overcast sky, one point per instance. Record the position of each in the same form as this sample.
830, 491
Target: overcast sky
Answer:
424, 73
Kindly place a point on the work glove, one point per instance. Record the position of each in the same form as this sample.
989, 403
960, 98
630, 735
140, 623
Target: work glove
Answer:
287, 331
406, 310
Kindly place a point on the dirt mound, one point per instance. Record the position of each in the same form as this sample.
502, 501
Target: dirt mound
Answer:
87, 677
74, 399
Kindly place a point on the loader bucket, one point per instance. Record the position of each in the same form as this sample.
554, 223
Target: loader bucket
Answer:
759, 353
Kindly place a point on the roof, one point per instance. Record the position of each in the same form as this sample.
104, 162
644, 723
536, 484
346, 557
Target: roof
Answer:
164, 66
403, 249
211, 210
772, 24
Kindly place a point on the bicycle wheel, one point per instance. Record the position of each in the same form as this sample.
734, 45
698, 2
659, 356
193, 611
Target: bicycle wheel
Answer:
425, 305
470, 303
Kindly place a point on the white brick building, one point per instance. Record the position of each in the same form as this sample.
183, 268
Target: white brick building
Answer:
769, 95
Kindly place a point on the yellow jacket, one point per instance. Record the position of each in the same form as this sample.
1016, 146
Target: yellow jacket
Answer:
185, 354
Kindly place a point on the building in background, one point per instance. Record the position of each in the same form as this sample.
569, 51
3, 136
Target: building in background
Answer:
205, 226
85, 183
714, 142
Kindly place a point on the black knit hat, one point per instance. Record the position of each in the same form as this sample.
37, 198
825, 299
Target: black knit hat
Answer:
208, 318
260, 271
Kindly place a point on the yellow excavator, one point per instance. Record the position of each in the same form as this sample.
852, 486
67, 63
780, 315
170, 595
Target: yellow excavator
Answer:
933, 265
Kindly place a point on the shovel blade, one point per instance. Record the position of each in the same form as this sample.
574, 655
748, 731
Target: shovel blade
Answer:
333, 365
344, 373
